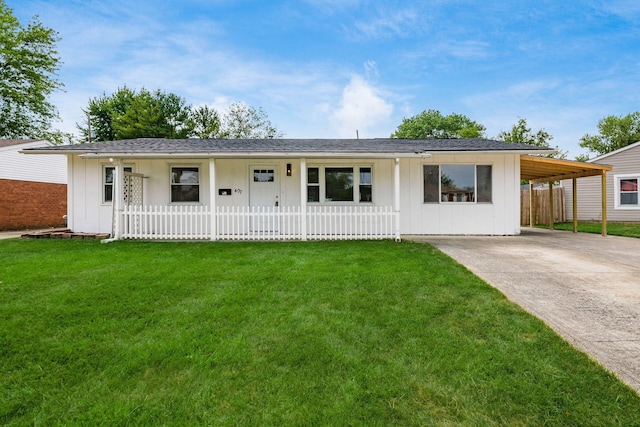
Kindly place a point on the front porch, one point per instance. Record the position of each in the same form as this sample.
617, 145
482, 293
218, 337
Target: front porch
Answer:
135, 217
257, 223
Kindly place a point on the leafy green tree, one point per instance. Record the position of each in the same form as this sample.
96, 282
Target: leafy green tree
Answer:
59, 137
142, 119
129, 114
244, 122
614, 133
101, 113
205, 122
582, 157
153, 115
432, 124
520, 133
29, 62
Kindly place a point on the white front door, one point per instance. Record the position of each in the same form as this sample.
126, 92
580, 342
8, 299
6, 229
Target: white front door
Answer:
263, 193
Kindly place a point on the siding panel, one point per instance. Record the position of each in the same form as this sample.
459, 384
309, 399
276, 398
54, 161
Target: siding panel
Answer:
625, 161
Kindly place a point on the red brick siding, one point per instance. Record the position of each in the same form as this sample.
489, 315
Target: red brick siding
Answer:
27, 204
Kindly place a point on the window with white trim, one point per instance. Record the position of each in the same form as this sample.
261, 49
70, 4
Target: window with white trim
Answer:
107, 181
457, 183
626, 191
329, 184
185, 184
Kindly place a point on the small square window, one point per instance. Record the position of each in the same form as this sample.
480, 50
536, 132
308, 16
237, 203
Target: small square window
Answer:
185, 184
627, 192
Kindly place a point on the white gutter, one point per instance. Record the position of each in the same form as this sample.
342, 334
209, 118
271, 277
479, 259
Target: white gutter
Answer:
304, 154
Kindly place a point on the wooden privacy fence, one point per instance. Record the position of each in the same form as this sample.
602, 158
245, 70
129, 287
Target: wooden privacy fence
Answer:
541, 205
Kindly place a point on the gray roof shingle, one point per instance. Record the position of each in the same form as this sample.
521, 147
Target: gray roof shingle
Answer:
311, 146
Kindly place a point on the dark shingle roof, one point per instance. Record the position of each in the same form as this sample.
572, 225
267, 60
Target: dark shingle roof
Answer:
310, 146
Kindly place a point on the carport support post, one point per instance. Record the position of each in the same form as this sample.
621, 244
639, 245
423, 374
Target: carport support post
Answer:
550, 205
531, 207
575, 205
604, 203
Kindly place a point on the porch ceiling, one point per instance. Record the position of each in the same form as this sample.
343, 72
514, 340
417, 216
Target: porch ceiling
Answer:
543, 169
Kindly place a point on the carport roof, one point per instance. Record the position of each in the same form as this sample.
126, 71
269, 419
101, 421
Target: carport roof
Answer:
543, 169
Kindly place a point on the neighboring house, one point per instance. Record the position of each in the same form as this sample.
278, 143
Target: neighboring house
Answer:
33, 190
293, 188
623, 203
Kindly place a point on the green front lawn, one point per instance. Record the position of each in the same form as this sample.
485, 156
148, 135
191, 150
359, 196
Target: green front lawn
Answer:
625, 229
324, 333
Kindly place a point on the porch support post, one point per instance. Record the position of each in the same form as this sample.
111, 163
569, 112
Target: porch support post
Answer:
212, 200
396, 198
575, 205
303, 199
532, 216
604, 203
118, 199
551, 205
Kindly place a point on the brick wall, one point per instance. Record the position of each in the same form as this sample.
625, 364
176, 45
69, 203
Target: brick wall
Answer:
28, 205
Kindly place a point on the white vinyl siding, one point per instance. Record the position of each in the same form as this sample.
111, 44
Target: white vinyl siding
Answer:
625, 162
32, 167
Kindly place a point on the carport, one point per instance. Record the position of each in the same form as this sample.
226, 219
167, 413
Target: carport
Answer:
545, 170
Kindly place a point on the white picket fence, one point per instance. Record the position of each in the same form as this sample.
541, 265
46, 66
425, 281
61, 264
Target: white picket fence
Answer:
165, 222
349, 222
258, 223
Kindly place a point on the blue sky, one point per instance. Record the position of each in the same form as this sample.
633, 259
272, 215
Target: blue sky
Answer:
326, 68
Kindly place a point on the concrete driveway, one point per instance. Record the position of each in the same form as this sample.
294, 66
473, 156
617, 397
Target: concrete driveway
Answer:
585, 286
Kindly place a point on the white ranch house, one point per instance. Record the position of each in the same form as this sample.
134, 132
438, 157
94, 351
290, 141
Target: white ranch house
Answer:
293, 189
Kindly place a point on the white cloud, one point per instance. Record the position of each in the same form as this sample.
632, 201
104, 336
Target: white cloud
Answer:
371, 69
362, 108
392, 23
626, 9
